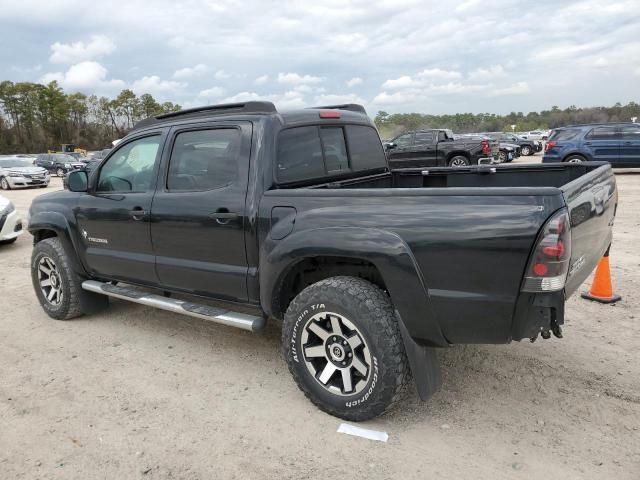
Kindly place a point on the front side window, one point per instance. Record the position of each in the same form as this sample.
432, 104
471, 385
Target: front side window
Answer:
131, 167
403, 140
603, 133
204, 160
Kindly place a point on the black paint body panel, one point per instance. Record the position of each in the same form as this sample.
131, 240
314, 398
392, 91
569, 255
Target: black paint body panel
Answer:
451, 245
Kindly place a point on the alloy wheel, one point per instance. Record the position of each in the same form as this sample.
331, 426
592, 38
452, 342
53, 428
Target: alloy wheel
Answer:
458, 162
336, 354
50, 281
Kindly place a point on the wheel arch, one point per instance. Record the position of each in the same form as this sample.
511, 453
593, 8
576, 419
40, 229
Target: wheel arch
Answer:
576, 154
43, 225
379, 256
459, 153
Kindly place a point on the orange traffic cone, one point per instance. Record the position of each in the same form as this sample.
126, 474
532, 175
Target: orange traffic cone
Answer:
601, 290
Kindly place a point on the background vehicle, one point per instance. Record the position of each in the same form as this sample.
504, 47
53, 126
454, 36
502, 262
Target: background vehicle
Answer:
58, 163
439, 148
507, 151
10, 222
527, 147
297, 216
89, 164
616, 143
535, 135
16, 172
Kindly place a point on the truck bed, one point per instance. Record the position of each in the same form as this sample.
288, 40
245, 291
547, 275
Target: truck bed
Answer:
470, 232
505, 176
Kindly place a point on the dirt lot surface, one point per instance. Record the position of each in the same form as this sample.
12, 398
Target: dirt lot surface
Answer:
139, 393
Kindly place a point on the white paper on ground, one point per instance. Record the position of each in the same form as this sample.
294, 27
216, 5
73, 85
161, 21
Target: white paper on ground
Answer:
363, 432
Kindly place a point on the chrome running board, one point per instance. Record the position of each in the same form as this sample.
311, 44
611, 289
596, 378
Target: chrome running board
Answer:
251, 323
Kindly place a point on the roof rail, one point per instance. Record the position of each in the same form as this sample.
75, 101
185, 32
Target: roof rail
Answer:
352, 107
246, 107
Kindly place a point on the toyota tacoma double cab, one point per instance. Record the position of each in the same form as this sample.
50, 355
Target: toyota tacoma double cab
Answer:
239, 213
439, 148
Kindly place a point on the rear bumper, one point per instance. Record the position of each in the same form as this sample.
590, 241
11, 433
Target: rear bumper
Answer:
487, 160
536, 313
11, 226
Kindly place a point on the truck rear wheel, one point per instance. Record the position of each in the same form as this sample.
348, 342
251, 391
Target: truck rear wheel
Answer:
57, 286
459, 161
343, 346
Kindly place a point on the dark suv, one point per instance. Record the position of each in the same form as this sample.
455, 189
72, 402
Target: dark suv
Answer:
58, 163
616, 143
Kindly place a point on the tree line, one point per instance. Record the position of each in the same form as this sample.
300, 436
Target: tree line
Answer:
35, 118
391, 125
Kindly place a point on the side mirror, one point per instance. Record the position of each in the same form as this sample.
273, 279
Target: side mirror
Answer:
78, 181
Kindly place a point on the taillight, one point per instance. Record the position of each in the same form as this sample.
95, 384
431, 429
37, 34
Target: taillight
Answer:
549, 145
486, 150
549, 263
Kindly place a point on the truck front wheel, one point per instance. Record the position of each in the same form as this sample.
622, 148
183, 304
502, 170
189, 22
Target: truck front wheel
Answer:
343, 346
57, 286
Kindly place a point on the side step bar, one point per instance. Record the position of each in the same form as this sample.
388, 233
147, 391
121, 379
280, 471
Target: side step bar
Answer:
251, 323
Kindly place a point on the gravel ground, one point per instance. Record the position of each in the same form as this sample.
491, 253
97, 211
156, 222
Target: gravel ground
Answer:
140, 393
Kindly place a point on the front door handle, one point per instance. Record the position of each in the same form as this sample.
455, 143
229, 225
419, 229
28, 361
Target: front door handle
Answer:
223, 216
137, 213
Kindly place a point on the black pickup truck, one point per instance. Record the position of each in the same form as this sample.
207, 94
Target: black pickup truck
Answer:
439, 148
296, 216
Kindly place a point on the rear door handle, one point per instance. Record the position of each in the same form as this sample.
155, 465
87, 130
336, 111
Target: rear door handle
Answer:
137, 213
223, 216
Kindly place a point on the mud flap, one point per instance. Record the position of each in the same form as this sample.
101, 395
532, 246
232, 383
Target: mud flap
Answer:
424, 364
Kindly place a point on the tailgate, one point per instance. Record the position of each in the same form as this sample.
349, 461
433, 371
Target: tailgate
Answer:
591, 200
495, 147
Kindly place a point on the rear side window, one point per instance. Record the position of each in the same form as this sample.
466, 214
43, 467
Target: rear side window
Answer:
424, 138
204, 160
313, 152
563, 135
602, 133
631, 132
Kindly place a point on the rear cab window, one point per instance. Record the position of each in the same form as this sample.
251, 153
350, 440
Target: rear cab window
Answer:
316, 153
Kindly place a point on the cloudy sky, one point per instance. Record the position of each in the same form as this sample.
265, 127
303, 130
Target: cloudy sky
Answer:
394, 55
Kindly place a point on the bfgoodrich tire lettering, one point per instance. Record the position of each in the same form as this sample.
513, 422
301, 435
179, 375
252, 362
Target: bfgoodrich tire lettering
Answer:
357, 326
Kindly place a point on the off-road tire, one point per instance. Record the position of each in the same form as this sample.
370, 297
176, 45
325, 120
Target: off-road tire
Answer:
370, 310
75, 301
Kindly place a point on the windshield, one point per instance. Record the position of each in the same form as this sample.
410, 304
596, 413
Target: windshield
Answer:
15, 162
